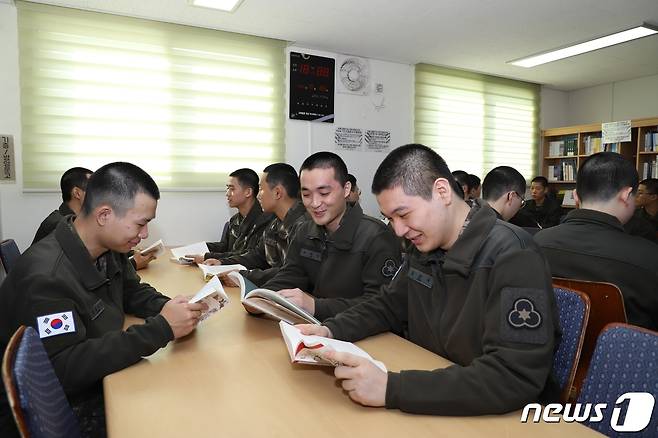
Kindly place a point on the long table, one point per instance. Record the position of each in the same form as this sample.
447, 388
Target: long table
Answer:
233, 377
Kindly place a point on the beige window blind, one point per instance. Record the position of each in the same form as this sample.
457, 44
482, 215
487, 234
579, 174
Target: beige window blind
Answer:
477, 122
189, 105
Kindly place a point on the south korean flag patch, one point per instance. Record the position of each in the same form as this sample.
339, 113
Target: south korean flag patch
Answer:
55, 324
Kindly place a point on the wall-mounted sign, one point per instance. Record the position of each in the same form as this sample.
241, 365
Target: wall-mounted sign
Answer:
311, 87
377, 141
7, 154
615, 132
348, 139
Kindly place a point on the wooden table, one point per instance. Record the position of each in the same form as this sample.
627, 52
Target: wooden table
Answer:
233, 377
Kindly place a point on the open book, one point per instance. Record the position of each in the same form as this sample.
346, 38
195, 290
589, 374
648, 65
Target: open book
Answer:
310, 349
213, 295
270, 303
180, 252
157, 249
213, 271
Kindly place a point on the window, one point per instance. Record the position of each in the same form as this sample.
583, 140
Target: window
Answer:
477, 122
189, 105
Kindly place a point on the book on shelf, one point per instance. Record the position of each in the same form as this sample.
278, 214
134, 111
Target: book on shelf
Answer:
571, 146
178, 254
650, 169
593, 145
213, 295
213, 271
264, 301
650, 141
311, 350
556, 148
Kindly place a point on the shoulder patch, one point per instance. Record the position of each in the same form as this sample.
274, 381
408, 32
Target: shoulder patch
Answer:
55, 324
522, 315
389, 269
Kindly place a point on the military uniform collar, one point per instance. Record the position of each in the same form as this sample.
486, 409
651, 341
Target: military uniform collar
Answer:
293, 214
460, 257
65, 210
76, 251
344, 236
594, 216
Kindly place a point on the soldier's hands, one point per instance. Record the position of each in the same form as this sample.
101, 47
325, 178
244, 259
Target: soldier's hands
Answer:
142, 261
181, 315
314, 330
212, 262
226, 280
300, 298
363, 381
198, 258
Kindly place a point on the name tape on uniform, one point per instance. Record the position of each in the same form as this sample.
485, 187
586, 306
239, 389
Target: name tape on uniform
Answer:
55, 324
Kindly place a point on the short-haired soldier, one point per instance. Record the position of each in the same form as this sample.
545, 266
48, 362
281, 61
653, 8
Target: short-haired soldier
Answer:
73, 185
341, 256
279, 194
475, 290
591, 243
80, 273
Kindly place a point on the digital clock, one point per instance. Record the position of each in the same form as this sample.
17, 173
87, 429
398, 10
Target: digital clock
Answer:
311, 87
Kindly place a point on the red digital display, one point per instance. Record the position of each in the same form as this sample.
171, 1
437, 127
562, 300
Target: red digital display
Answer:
320, 72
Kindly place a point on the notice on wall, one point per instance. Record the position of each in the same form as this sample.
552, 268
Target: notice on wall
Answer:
377, 141
348, 139
8, 160
615, 132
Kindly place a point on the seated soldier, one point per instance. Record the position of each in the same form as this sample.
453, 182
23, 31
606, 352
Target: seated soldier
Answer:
475, 186
340, 257
503, 189
464, 182
542, 211
475, 290
647, 201
644, 222
279, 194
73, 184
81, 271
591, 243
246, 227
355, 192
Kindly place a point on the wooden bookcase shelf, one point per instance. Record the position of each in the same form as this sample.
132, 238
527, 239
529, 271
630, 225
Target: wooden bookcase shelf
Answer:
581, 140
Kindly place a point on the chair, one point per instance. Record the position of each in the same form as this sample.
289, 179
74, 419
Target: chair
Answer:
606, 306
224, 231
625, 360
35, 395
9, 253
574, 307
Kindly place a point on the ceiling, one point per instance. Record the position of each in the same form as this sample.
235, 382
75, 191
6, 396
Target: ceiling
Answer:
477, 35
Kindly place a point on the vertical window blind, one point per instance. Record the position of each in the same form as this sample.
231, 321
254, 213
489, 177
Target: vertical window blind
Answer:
189, 105
477, 122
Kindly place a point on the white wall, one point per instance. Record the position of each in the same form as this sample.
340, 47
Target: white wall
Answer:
622, 100
185, 217
554, 108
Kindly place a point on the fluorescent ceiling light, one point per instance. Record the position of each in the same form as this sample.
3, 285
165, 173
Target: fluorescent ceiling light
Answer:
222, 5
587, 46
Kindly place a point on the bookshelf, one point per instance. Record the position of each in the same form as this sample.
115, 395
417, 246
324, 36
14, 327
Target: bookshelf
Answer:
564, 149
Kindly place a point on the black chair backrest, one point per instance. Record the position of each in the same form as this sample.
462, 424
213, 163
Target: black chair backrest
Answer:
9, 253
